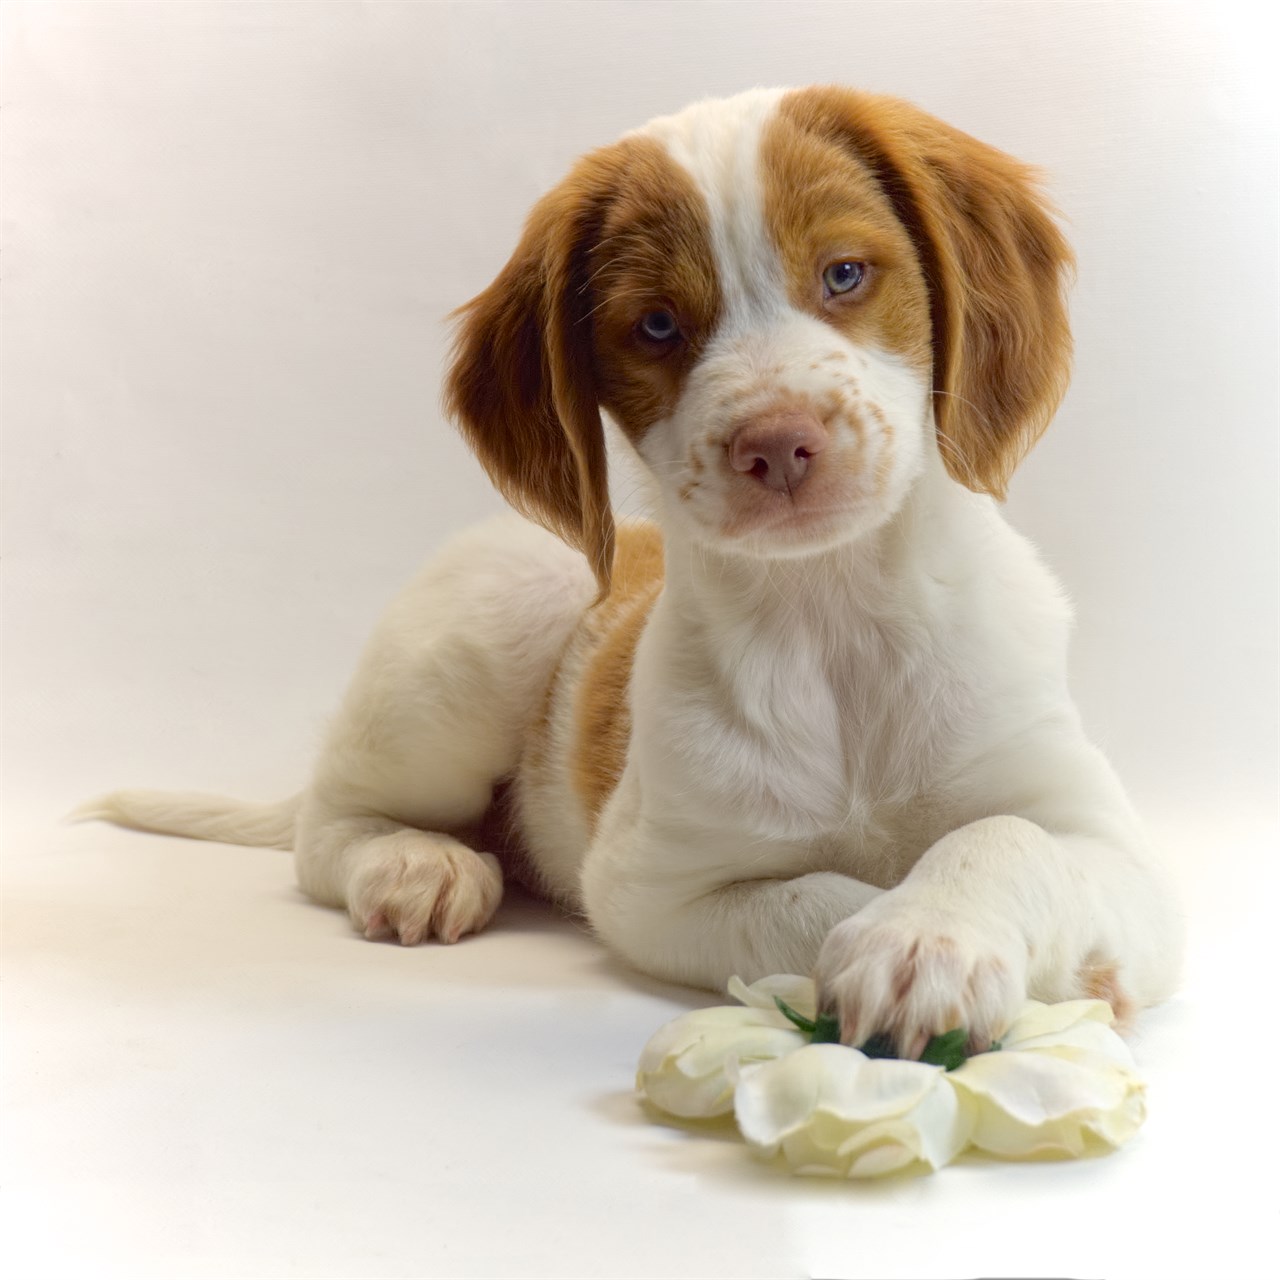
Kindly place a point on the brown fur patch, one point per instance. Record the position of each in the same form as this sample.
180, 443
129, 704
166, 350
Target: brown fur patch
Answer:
602, 714
554, 337
994, 261
654, 254
1102, 982
823, 205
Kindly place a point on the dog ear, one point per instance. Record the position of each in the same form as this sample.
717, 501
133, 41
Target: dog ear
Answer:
521, 385
996, 267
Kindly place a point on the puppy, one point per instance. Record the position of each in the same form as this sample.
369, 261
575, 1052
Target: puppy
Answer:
815, 719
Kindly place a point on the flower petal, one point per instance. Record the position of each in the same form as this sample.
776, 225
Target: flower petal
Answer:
1035, 1019
799, 993
1079, 1030
684, 1069
1040, 1103
830, 1109
1086, 1042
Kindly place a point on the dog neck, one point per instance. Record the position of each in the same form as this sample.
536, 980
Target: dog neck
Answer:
839, 599
840, 661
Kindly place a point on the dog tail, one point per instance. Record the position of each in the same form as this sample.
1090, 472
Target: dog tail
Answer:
198, 816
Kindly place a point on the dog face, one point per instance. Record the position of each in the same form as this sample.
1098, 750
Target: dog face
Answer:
784, 300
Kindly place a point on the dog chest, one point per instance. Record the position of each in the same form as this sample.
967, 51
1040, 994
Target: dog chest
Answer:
787, 741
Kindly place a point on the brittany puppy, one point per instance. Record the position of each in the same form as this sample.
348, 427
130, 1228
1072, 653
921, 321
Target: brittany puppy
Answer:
815, 718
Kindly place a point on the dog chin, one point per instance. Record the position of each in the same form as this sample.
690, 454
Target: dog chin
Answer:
794, 534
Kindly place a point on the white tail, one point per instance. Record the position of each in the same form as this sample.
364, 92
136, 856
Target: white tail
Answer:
193, 814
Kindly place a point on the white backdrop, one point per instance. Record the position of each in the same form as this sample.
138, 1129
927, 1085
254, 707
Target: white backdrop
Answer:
232, 232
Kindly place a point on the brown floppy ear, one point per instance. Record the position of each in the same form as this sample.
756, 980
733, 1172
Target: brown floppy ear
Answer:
522, 384
996, 266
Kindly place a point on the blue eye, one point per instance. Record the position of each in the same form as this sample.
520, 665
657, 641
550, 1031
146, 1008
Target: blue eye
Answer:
659, 326
843, 277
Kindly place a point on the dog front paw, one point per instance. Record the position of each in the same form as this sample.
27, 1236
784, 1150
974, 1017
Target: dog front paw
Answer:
412, 885
908, 971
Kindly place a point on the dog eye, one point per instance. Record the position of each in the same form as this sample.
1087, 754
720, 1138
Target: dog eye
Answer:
659, 326
843, 277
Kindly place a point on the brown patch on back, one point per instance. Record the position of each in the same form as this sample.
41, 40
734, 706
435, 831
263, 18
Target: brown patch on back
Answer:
602, 714
993, 261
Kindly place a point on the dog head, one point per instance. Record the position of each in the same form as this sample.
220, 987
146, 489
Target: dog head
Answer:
783, 300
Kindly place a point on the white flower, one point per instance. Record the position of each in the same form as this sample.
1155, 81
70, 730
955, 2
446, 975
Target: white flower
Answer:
1074, 1029
799, 993
832, 1110
1062, 1083
685, 1068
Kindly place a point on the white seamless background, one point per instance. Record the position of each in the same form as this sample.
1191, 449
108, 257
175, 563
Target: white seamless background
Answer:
232, 232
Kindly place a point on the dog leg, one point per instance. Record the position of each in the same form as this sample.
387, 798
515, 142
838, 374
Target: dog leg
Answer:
995, 911
1058, 897
397, 881
437, 713
677, 902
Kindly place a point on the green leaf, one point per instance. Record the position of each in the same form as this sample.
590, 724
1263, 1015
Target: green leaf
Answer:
946, 1050
826, 1029
805, 1024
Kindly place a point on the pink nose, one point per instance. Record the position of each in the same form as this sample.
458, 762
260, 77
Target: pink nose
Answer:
777, 449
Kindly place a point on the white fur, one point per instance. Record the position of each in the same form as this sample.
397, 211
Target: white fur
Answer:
892, 717
718, 143
852, 745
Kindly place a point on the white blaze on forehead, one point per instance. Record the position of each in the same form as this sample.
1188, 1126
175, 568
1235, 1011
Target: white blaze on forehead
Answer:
718, 143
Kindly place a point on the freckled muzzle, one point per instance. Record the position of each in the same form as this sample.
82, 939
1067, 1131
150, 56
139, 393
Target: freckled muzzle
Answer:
788, 439
778, 449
